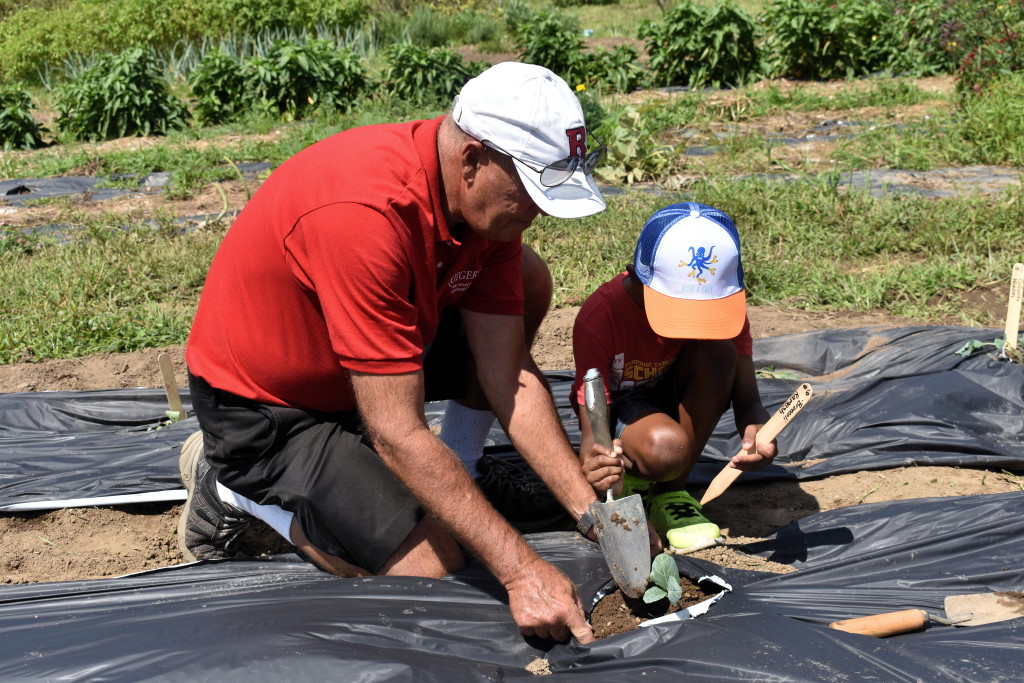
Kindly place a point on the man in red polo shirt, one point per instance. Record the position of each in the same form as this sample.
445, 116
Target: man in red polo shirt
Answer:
322, 309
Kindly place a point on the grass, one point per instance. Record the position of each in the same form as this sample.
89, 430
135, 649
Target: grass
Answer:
125, 283
814, 247
773, 99
120, 286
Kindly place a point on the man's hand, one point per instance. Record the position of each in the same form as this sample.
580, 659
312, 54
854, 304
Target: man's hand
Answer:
756, 454
545, 604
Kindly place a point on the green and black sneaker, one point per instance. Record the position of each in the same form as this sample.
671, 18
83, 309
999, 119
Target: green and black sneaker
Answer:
631, 485
677, 516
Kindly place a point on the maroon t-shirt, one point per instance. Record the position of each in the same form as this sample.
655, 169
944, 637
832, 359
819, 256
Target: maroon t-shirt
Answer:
611, 333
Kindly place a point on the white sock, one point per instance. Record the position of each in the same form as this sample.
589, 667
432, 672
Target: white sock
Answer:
277, 518
465, 430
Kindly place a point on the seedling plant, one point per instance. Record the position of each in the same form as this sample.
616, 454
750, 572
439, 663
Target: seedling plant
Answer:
665, 577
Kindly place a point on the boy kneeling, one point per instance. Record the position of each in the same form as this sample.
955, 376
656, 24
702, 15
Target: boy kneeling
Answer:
671, 339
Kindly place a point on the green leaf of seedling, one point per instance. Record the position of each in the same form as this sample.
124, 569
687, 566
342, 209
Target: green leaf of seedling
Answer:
654, 594
665, 575
769, 372
675, 591
972, 347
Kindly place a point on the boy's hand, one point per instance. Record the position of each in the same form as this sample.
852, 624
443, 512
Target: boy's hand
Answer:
757, 454
603, 467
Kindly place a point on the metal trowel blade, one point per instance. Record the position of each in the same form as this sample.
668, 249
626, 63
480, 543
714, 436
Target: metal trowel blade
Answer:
984, 608
621, 527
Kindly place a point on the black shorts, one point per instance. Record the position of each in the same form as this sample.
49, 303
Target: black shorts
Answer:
319, 466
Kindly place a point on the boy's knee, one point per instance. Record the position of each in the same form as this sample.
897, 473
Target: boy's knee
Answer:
667, 452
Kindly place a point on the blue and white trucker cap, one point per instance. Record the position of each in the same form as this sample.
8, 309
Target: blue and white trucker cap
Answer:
688, 259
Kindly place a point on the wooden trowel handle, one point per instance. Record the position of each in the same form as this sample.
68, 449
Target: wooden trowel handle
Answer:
768, 432
785, 413
880, 625
170, 384
1013, 308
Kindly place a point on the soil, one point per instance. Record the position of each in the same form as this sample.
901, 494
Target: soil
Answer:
617, 613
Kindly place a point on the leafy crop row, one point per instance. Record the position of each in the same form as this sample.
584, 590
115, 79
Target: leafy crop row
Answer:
691, 44
125, 94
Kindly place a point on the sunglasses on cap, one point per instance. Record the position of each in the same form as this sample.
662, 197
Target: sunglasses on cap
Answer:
557, 172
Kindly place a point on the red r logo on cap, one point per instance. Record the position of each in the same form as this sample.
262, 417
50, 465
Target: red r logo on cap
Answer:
577, 141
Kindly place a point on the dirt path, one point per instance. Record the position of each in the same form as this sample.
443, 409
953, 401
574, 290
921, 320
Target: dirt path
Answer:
96, 542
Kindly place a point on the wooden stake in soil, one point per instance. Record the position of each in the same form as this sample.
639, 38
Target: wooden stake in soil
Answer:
793, 405
170, 387
1013, 311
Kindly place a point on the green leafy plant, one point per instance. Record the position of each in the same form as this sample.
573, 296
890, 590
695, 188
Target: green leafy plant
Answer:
697, 46
769, 372
974, 346
617, 70
635, 153
916, 35
294, 79
218, 84
665, 577
551, 40
18, 130
119, 95
593, 111
821, 39
425, 75
988, 41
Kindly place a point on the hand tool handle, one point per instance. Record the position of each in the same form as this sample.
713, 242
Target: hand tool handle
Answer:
768, 432
880, 625
170, 384
782, 417
596, 406
1013, 308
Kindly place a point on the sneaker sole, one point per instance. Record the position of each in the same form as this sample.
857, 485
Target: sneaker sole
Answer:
698, 546
188, 461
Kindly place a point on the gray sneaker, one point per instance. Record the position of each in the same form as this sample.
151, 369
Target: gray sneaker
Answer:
209, 528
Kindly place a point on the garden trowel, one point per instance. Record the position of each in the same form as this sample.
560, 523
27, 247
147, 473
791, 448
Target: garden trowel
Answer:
621, 524
961, 610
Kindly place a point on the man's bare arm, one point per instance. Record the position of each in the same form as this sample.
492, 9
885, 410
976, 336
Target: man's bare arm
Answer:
542, 600
519, 396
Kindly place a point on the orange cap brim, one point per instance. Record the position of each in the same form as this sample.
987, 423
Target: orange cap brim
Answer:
695, 319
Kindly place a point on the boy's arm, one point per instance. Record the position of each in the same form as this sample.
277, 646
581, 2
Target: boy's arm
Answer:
750, 416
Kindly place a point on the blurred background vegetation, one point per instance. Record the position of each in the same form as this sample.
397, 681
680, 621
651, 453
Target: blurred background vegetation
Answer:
213, 85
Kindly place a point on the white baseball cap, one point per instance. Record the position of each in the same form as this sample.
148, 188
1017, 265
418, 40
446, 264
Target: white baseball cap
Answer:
688, 259
530, 114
